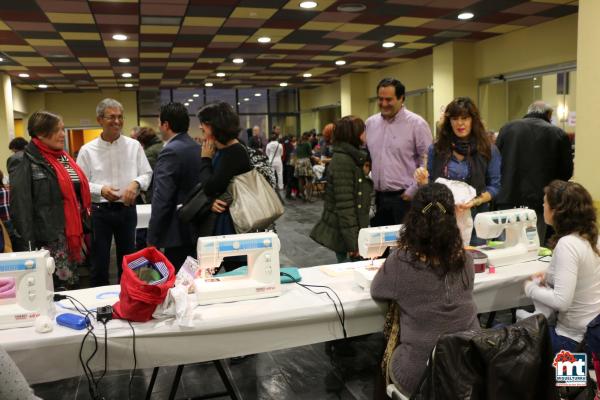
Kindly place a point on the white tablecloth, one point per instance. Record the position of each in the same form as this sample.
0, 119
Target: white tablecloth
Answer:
296, 318
143, 215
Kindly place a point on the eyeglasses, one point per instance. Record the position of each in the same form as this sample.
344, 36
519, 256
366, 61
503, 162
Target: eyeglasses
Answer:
113, 118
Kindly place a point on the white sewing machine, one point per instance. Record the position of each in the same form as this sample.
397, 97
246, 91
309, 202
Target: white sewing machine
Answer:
262, 279
26, 288
372, 243
522, 242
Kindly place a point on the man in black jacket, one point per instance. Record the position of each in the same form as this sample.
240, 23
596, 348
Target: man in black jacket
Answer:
534, 152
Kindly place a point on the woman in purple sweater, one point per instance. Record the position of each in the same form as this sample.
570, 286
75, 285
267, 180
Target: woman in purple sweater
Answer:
430, 277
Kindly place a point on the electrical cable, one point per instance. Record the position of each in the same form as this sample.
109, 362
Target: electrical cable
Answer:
134, 359
342, 317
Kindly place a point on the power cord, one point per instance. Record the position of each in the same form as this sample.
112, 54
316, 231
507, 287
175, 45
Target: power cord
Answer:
134, 359
342, 317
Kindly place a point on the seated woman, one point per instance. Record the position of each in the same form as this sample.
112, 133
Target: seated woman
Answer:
571, 285
430, 277
463, 152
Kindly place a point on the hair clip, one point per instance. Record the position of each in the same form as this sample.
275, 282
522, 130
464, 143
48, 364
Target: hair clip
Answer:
439, 205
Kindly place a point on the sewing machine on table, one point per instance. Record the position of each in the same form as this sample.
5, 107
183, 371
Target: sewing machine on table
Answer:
26, 288
372, 243
262, 280
521, 243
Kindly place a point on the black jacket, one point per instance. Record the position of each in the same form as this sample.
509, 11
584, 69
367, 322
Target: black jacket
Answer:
534, 152
36, 203
510, 363
347, 200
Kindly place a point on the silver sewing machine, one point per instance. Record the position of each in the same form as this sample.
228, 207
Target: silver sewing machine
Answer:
26, 288
372, 243
521, 243
262, 279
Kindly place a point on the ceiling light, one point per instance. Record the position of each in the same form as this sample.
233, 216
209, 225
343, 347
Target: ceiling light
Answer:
238, 103
388, 45
186, 104
129, 85
190, 100
195, 95
283, 84
465, 15
238, 60
23, 75
308, 4
352, 7
246, 99
340, 62
536, 86
257, 94
264, 39
119, 36
1, 59
42, 86
307, 75
124, 60
220, 74
126, 74
208, 84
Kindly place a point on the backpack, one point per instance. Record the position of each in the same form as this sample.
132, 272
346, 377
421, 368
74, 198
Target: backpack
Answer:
261, 163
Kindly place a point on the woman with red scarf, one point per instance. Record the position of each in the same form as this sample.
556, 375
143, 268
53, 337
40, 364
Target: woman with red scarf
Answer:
50, 202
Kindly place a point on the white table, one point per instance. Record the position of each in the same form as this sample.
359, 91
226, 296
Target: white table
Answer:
143, 215
296, 318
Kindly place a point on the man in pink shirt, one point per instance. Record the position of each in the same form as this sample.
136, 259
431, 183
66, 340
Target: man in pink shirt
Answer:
398, 140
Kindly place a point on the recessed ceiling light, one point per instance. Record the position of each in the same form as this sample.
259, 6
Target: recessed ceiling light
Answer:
307, 75
42, 86
208, 84
124, 60
1, 59
195, 95
283, 84
388, 45
352, 7
536, 86
23, 75
340, 62
119, 36
308, 4
129, 85
126, 74
190, 100
238, 60
220, 74
264, 39
246, 99
186, 104
257, 94
465, 15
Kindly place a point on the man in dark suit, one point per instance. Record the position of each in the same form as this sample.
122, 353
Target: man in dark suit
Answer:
177, 171
534, 153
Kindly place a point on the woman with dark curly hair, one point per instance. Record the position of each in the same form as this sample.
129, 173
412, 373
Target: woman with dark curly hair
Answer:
463, 152
571, 285
430, 277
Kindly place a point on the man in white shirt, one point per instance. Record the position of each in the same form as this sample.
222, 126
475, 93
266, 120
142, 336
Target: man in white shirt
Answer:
117, 170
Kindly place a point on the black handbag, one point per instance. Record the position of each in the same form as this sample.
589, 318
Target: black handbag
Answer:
196, 204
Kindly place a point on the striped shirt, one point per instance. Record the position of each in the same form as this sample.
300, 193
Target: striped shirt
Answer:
4, 204
72, 173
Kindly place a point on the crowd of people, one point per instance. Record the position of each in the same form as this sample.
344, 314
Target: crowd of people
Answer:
377, 172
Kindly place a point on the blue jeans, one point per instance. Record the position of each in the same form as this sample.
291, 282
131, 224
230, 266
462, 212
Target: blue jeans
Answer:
561, 342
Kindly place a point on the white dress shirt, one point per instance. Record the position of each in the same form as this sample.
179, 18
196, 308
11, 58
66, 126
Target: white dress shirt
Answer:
114, 164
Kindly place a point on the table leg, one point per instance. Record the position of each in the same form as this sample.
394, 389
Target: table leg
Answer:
176, 382
227, 379
151, 385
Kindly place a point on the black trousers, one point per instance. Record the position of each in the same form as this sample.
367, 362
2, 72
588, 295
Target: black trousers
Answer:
177, 255
108, 220
390, 208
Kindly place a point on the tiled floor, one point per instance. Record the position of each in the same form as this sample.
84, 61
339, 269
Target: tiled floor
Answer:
306, 372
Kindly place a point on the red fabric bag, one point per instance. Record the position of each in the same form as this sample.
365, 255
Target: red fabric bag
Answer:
138, 299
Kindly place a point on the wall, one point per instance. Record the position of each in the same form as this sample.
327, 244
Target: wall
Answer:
545, 44
321, 96
414, 74
19, 100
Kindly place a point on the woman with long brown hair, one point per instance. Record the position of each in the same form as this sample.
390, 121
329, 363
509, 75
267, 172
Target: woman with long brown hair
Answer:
464, 152
571, 285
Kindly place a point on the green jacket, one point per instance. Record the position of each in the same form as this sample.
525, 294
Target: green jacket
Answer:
347, 200
152, 151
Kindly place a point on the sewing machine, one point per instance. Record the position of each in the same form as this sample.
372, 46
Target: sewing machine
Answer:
26, 288
262, 280
372, 243
521, 243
